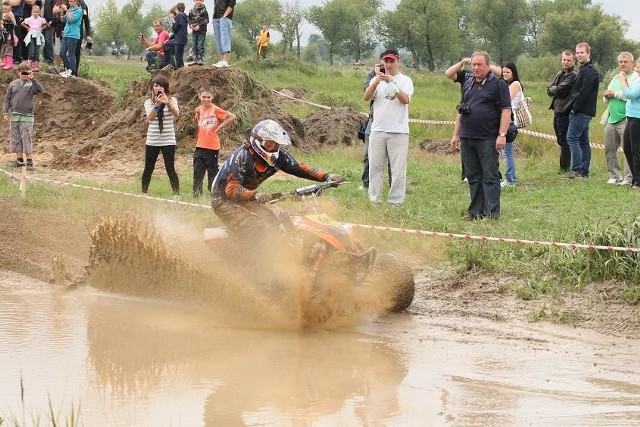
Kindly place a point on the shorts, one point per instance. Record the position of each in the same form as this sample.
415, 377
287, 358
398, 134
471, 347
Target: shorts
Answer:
20, 139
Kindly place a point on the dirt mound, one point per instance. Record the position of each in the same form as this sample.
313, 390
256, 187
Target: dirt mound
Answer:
80, 126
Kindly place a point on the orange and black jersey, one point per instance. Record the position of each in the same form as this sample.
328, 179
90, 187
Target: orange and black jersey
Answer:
244, 171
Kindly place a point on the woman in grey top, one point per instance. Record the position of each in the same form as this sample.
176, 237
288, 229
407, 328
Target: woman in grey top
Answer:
161, 110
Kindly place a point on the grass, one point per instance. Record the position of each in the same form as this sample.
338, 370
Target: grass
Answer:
544, 206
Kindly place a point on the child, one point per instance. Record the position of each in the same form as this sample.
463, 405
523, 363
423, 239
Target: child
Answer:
210, 119
263, 42
34, 38
174, 47
18, 109
8, 35
198, 21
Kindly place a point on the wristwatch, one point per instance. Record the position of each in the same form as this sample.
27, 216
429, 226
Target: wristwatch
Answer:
502, 134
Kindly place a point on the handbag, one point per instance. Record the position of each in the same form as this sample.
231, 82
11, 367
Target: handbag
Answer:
522, 115
512, 132
362, 131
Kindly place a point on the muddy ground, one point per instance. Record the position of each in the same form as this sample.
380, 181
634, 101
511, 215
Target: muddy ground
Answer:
80, 129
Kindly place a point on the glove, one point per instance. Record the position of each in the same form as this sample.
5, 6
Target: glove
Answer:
262, 198
335, 178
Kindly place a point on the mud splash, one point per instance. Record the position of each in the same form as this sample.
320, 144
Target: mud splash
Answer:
133, 255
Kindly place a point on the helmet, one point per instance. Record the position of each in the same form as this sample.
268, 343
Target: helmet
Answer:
272, 131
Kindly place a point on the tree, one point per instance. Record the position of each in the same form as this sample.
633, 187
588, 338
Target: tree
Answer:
111, 26
249, 16
500, 26
290, 24
334, 24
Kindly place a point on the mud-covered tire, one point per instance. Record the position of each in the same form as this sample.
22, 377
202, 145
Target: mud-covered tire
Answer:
393, 279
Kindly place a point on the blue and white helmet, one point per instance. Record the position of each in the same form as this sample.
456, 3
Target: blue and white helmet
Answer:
271, 131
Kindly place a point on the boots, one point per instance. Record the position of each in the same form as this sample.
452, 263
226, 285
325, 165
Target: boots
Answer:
8, 62
4, 61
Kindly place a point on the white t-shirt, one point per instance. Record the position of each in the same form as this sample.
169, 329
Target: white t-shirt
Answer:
168, 135
391, 115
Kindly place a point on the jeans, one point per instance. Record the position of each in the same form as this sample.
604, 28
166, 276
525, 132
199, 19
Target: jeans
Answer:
171, 49
613, 134
68, 53
150, 158
204, 160
509, 163
47, 51
631, 147
480, 158
222, 31
151, 58
34, 50
198, 37
578, 140
560, 125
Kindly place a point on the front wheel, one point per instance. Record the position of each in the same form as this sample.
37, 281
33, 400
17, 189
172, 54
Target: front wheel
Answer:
393, 279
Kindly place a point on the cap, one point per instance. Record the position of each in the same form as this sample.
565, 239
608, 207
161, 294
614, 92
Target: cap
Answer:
390, 53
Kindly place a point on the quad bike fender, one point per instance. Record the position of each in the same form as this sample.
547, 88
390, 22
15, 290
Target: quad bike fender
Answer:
214, 237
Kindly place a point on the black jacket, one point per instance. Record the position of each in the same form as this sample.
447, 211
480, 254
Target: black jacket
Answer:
560, 89
584, 94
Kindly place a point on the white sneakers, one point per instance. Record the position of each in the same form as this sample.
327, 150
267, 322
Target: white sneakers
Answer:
66, 73
612, 181
221, 64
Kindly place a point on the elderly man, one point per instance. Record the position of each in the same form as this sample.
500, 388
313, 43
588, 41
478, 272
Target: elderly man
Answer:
480, 131
616, 120
559, 90
391, 91
155, 49
582, 108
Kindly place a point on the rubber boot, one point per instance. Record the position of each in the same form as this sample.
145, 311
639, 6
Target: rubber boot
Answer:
9, 63
4, 61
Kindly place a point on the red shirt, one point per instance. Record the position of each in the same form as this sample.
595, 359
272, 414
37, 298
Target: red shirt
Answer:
161, 38
208, 120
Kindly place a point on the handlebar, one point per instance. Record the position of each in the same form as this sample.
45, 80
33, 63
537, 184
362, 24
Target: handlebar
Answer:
314, 190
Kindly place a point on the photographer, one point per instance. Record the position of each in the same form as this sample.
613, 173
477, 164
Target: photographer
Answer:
483, 118
161, 110
155, 49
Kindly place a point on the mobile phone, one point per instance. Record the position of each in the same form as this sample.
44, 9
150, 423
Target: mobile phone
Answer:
24, 73
382, 70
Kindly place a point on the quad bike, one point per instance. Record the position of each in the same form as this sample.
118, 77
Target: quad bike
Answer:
330, 253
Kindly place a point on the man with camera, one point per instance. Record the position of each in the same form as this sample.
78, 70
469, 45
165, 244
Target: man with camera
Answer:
391, 92
155, 49
482, 122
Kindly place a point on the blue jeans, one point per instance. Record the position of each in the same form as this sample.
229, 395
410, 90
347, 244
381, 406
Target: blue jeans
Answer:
198, 38
47, 51
34, 50
151, 58
509, 163
578, 140
480, 158
222, 30
68, 52
560, 126
173, 54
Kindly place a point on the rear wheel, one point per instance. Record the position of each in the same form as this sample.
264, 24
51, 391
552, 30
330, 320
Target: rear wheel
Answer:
393, 279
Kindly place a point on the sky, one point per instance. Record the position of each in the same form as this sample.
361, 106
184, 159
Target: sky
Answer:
628, 10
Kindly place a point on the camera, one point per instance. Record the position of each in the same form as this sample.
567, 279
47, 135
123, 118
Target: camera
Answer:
141, 35
382, 70
463, 109
24, 73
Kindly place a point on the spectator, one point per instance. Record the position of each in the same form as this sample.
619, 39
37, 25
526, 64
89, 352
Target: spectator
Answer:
222, 25
8, 35
162, 111
58, 25
34, 38
582, 107
559, 91
480, 131
263, 42
47, 14
174, 47
19, 51
615, 120
459, 74
17, 109
516, 93
198, 21
155, 50
72, 17
631, 139
391, 91
85, 33
210, 119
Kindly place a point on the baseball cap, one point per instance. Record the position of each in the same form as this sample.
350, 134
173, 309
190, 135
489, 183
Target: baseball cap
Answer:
390, 53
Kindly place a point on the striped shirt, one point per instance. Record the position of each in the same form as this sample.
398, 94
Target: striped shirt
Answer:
168, 135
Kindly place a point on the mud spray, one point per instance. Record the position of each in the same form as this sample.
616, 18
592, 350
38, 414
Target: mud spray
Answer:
156, 258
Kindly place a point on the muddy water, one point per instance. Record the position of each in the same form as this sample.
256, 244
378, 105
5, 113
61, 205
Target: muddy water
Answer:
123, 361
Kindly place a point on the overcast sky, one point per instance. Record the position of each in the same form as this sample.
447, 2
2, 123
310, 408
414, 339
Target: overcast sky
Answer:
628, 10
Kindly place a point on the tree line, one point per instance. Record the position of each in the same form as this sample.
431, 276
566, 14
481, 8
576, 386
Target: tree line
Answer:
434, 32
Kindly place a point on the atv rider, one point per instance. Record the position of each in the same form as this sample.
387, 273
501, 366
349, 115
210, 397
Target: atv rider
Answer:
234, 194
